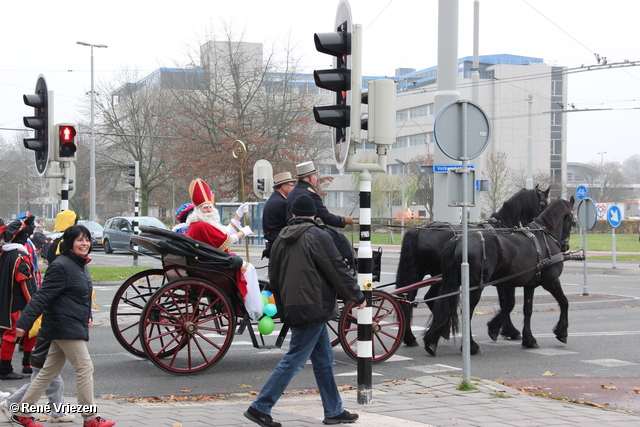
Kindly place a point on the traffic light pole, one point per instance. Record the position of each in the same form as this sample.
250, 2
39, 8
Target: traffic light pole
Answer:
136, 230
64, 187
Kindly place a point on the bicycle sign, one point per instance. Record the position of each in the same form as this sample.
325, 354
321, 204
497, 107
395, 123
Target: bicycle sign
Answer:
582, 192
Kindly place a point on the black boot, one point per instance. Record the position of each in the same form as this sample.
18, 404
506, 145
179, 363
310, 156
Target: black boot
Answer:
6, 371
26, 363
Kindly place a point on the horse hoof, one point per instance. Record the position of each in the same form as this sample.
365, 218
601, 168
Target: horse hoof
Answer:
474, 350
562, 339
532, 345
493, 336
413, 343
517, 337
431, 349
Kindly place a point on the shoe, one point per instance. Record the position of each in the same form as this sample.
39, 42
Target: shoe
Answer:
25, 421
261, 418
11, 376
99, 422
4, 394
344, 418
27, 370
4, 407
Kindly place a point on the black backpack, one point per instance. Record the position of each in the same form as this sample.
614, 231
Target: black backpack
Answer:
50, 252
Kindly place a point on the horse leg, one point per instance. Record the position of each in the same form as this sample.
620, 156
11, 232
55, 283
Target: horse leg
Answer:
507, 298
561, 328
528, 341
407, 309
474, 298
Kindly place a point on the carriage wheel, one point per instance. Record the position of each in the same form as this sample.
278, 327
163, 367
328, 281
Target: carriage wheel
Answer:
127, 306
387, 323
190, 317
334, 325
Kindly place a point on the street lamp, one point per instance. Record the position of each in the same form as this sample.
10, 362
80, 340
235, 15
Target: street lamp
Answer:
602, 175
402, 212
92, 156
19, 185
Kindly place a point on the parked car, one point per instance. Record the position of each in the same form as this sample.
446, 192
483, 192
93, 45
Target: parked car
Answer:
96, 233
118, 231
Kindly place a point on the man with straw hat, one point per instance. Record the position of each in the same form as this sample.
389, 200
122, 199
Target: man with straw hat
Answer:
307, 183
274, 217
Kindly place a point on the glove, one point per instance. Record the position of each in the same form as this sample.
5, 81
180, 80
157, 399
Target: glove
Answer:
247, 231
243, 209
236, 224
348, 220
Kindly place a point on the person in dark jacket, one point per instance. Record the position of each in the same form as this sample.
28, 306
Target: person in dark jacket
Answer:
306, 271
274, 217
64, 299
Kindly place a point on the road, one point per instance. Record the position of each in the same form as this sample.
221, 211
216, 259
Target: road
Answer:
604, 336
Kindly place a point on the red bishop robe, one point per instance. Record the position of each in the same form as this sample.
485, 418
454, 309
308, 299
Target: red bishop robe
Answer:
207, 233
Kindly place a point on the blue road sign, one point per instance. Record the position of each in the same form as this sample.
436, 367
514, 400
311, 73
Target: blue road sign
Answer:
582, 192
445, 168
614, 216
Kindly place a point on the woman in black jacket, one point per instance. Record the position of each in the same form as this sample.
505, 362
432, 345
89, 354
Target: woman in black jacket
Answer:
64, 299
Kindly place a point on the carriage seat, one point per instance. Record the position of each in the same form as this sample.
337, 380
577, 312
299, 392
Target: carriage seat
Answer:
164, 242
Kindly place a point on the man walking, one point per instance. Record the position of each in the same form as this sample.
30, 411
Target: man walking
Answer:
306, 272
274, 216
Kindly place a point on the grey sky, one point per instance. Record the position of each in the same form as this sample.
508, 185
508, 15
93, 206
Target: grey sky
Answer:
144, 35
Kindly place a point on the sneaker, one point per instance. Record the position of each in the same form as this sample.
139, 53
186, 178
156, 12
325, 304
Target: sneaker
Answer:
25, 421
344, 418
11, 376
98, 422
261, 418
4, 407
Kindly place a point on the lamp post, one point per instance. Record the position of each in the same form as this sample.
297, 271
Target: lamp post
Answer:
92, 155
19, 185
602, 175
402, 212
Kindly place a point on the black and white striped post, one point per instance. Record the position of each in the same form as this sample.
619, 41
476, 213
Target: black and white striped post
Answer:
136, 229
365, 278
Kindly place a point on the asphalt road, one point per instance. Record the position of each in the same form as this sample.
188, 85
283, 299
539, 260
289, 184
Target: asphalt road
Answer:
604, 336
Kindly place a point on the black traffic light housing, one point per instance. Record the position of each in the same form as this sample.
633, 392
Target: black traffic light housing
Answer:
337, 79
39, 122
134, 174
261, 184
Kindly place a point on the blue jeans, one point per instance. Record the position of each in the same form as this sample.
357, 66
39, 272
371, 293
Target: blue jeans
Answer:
312, 342
54, 393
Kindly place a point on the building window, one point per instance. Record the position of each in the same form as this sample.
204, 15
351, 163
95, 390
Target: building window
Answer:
556, 146
401, 142
420, 111
556, 119
419, 139
333, 199
402, 115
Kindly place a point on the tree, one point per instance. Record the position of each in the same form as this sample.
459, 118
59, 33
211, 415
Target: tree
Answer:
424, 184
631, 167
501, 179
607, 180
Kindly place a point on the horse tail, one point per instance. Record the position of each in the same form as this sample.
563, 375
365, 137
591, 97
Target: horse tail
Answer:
409, 267
445, 310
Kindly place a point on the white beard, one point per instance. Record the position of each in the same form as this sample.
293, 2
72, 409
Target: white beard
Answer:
212, 218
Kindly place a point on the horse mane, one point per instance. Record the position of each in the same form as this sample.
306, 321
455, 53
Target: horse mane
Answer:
514, 211
556, 208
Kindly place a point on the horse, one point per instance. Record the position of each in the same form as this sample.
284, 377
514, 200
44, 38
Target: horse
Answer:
527, 257
421, 250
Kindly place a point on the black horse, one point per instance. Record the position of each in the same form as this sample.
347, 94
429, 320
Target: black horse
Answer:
527, 257
422, 247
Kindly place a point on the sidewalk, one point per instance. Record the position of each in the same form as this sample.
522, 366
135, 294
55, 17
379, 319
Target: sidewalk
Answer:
421, 401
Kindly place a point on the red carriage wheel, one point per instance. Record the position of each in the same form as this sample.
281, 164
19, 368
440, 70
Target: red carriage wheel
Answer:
387, 323
191, 318
127, 306
333, 326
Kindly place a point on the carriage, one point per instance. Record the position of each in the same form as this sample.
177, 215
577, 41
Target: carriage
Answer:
183, 317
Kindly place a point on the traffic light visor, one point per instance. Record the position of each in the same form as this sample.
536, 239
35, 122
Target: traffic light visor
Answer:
336, 44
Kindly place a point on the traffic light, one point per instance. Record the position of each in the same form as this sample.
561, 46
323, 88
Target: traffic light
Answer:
262, 179
134, 174
39, 122
260, 184
380, 123
338, 79
65, 142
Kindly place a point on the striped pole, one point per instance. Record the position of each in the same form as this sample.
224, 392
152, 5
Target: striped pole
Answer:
135, 226
365, 276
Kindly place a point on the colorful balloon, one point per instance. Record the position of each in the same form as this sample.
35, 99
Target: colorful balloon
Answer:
265, 325
267, 293
272, 299
265, 300
270, 310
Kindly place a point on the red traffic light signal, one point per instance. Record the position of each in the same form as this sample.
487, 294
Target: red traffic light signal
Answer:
65, 139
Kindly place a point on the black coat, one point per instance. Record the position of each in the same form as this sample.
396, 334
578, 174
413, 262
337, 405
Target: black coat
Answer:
303, 187
274, 216
64, 298
306, 272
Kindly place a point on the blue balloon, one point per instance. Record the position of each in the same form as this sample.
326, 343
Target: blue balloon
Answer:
270, 310
267, 294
